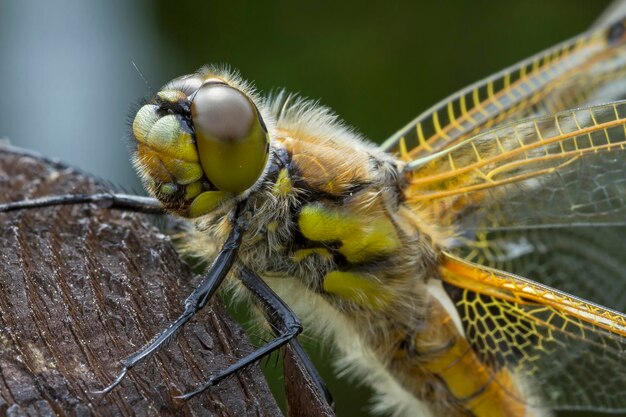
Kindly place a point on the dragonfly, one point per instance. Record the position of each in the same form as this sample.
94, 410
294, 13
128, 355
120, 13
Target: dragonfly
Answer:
430, 262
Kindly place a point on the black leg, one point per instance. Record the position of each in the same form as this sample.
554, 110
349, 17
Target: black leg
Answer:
277, 318
196, 300
108, 200
285, 324
288, 327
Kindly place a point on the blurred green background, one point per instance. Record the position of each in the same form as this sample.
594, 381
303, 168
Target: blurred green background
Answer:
68, 82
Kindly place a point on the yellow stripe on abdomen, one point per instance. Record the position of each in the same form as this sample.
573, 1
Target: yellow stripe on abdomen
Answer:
467, 382
476, 387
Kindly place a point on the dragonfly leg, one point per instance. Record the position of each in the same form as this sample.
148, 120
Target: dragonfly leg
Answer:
194, 302
277, 319
283, 321
126, 202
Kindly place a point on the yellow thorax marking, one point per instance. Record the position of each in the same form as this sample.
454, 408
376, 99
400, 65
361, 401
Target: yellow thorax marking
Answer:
300, 254
360, 238
282, 186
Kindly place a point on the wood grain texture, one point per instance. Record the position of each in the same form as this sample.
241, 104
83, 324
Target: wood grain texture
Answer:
81, 287
304, 399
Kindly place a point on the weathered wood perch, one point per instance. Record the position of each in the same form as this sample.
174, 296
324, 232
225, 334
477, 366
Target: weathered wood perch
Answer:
81, 287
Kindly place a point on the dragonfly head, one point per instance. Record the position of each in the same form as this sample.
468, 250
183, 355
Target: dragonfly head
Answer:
200, 141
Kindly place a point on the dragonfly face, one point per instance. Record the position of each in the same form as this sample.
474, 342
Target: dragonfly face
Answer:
390, 252
409, 256
199, 143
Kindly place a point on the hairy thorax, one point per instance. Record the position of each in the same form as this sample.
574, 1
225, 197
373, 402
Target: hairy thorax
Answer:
333, 237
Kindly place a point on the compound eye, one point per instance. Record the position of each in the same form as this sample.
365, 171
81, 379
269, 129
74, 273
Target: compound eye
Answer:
231, 138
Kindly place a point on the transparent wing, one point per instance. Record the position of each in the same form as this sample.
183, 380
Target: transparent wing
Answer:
568, 169
588, 69
571, 350
578, 260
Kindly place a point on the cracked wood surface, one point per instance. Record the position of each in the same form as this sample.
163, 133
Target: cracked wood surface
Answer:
81, 287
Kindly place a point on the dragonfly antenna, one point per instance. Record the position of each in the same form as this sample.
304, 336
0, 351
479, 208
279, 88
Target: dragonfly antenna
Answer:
142, 77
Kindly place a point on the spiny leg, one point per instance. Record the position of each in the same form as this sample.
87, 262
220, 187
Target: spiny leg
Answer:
280, 316
278, 320
126, 202
195, 301
118, 201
